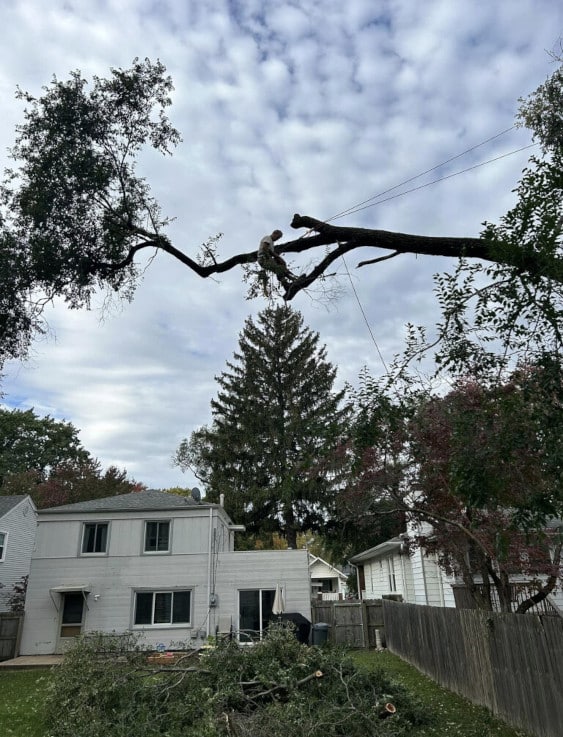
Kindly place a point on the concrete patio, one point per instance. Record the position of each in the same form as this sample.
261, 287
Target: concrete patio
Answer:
28, 662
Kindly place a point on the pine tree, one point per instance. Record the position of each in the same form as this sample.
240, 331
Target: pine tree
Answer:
276, 426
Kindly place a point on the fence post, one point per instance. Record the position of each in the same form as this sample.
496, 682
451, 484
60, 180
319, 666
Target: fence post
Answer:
365, 626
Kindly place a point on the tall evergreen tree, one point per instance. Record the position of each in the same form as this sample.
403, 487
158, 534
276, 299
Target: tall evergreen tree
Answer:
276, 425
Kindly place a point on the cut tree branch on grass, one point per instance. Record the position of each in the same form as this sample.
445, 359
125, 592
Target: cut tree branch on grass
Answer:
278, 688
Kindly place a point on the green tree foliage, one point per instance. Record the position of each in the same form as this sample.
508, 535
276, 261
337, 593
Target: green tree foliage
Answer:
276, 425
44, 458
29, 443
542, 111
74, 208
278, 687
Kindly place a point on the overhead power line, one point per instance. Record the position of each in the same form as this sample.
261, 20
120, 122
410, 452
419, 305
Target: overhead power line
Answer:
358, 208
370, 203
417, 176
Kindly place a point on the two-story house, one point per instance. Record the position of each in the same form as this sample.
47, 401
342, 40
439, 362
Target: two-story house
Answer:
155, 563
17, 533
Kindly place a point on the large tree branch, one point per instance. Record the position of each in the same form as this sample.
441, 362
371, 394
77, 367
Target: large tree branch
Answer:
346, 239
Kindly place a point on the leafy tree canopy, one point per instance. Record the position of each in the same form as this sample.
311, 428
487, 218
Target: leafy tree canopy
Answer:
475, 474
44, 458
276, 424
75, 213
29, 443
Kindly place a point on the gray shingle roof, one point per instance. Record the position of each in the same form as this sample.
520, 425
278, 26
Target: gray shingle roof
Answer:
148, 500
9, 502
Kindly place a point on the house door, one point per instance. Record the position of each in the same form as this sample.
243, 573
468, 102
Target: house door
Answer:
72, 617
255, 611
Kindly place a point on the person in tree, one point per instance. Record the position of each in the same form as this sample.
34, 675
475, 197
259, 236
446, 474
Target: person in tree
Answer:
269, 260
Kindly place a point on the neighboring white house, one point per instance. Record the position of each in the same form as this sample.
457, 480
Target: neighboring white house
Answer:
327, 582
17, 534
387, 570
155, 563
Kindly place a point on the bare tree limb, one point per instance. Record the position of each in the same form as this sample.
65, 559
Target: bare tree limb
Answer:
346, 239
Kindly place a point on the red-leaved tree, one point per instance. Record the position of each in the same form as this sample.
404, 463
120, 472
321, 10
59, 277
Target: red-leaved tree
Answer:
477, 475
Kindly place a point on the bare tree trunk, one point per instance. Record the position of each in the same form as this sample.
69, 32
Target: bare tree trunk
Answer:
547, 588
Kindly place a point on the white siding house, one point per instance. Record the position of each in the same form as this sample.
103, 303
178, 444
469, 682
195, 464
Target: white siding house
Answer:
327, 582
156, 563
388, 571
17, 533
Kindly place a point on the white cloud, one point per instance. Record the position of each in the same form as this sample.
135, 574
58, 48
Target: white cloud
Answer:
283, 107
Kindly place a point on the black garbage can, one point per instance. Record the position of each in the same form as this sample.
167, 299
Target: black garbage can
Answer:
320, 633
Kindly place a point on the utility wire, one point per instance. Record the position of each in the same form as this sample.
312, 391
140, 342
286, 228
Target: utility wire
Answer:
358, 208
417, 176
364, 315
364, 205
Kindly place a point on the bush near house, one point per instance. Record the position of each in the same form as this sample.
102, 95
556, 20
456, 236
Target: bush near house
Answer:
106, 687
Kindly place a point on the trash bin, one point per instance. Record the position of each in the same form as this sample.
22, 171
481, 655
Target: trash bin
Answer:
320, 633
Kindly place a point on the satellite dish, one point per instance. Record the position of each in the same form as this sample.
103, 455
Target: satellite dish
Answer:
196, 494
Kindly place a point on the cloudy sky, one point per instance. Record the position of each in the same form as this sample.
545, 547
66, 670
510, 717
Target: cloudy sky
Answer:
309, 106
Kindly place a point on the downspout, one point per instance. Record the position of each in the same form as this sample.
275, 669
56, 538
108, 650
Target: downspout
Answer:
209, 570
403, 574
358, 580
423, 569
440, 585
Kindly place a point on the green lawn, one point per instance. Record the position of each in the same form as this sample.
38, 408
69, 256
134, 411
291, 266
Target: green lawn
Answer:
22, 693
21, 700
453, 715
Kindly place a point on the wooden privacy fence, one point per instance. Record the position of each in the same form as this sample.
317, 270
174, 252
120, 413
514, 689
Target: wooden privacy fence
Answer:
10, 634
512, 664
351, 623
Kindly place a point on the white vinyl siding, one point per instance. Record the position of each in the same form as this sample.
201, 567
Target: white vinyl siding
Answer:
59, 536
114, 580
18, 527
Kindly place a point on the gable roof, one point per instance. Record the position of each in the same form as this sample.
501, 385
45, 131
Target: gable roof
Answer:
315, 559
378, 551
147, 500
7, 503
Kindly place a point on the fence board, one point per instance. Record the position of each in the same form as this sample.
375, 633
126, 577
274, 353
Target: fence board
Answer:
513, 664
351, 622
10, 633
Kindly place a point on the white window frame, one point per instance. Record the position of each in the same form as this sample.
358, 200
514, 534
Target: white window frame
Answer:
161, 625
391, 577
5, 533
160, 522
96, 522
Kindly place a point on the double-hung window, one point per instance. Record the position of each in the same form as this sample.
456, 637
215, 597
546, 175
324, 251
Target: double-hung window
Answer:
3, 544
157, 536
95, 538
163, 607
